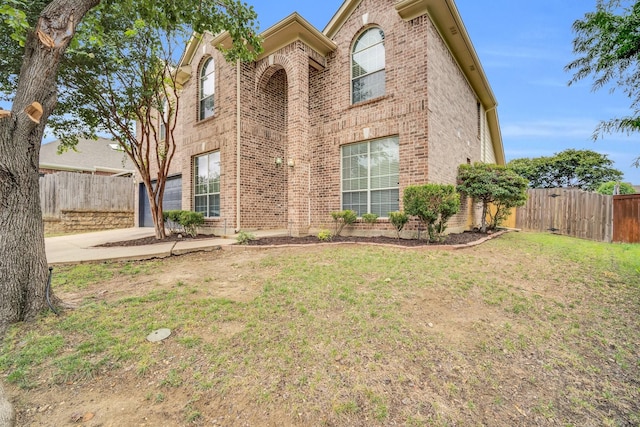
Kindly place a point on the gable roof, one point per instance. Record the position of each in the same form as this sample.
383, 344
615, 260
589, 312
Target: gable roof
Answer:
290, 29
445, 16
101, 155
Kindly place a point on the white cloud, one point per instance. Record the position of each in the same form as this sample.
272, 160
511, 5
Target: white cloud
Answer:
559, 128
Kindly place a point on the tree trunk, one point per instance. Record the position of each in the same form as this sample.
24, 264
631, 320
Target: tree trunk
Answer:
483, 219
23, 271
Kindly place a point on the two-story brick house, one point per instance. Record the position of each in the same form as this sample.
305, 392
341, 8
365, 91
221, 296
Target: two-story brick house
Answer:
388, 95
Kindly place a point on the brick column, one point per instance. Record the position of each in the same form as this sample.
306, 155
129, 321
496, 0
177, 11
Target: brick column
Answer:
298, 131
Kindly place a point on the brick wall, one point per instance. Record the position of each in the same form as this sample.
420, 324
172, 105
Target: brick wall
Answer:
453, 118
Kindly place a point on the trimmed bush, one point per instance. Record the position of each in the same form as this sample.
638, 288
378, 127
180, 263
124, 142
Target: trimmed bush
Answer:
325, 235
178, 221
370, 218
399, 220
190, 221
244, 237
492, 184
433, 204
343, 218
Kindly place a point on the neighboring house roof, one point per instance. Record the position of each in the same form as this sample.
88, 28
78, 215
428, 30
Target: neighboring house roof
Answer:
101, 155
444, 15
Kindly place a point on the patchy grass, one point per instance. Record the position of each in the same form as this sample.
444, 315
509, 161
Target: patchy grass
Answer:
527, 329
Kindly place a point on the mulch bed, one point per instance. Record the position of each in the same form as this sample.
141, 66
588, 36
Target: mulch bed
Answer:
151, 240
450, 239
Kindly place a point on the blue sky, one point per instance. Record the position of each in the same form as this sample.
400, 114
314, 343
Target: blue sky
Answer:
523, 46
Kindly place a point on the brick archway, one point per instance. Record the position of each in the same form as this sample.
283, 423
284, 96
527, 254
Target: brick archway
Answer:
295, 63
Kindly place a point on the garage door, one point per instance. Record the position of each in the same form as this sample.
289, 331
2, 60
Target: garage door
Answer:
172, 199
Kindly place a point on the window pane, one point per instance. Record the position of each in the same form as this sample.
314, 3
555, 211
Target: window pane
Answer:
201, 204
368, 87
384, 201
207, 89
214, 205
370, 176
369, 38
207, 184
207, 86
356, 201
368, 61
367, 66
206, 107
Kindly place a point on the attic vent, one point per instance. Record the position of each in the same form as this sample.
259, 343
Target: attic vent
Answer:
453, 30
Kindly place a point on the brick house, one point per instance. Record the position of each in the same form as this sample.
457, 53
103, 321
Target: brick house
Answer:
388, 95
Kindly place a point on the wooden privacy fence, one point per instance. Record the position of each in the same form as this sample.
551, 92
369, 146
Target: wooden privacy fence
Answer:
82, 192
568, 211
626, 218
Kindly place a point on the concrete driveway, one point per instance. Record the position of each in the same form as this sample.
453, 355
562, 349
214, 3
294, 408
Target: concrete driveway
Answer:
77, 248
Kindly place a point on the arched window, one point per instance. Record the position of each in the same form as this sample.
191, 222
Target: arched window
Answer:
207, 89
163, 119
367, 66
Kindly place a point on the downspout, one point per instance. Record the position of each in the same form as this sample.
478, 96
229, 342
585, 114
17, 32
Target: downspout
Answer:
238, 133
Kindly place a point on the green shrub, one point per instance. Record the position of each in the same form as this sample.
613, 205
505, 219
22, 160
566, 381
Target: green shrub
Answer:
343, 218
433, 204
492, 184
608, 188
325, 235
190, 221
243, 237
370, 218
178, 221
399, 220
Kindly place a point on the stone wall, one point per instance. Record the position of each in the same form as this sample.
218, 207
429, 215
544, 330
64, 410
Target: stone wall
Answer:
75, 221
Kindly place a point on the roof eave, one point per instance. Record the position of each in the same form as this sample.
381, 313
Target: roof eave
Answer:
339, 18
292, 28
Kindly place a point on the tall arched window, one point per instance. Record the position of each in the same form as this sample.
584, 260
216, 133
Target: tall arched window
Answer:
163, 119
207, 89
367, 66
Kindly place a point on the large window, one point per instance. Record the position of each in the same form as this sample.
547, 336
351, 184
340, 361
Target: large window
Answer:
370, 173
207, 89
367, 66
207, 184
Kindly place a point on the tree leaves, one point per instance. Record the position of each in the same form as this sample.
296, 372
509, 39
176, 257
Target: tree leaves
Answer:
584, 169
607, 43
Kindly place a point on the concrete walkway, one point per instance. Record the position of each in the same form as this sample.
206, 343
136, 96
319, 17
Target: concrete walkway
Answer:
77, 248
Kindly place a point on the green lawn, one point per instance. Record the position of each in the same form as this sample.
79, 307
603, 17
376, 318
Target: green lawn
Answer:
526, 329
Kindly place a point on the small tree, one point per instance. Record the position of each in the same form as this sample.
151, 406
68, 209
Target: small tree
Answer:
609, 188
398, 219
343, 218
433, 204
584, 169
492, 184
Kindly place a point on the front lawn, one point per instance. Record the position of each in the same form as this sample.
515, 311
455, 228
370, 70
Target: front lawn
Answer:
526, 329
